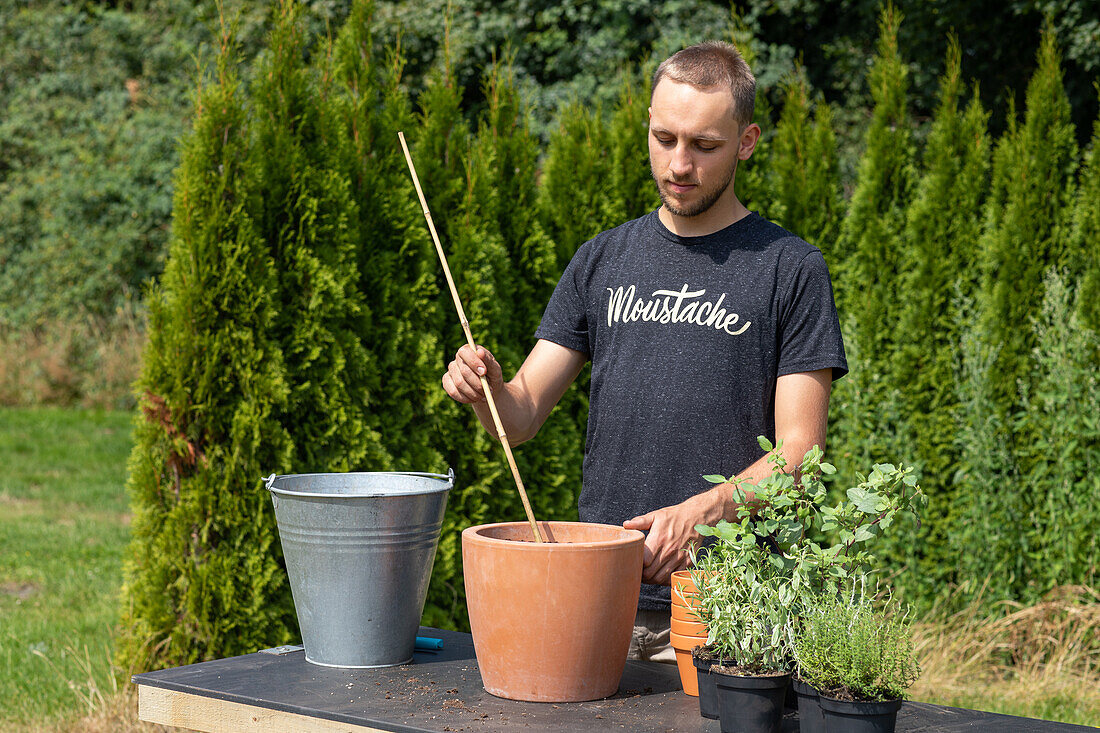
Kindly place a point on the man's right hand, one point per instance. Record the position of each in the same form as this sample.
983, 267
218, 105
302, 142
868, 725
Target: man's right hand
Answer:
462, 381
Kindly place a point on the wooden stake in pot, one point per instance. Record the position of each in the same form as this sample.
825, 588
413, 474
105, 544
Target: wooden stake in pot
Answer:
470, 340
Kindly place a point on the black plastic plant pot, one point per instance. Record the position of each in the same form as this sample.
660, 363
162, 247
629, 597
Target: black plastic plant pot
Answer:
842, 716
810, 717
708, 690
750, 704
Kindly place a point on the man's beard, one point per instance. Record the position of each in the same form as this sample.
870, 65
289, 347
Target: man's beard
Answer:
704, 203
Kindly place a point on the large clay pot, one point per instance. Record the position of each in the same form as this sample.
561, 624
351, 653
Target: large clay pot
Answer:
552, 621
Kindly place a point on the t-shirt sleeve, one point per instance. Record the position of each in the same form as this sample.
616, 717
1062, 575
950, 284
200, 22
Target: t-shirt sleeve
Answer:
565, 320
809, 335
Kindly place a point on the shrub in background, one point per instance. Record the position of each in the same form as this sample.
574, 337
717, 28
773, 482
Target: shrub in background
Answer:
202, 575
866, 267
1032, 166
804, 170
937, 261
308, 219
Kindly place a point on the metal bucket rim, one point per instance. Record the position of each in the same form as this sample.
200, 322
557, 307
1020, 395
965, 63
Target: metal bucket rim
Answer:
448, 477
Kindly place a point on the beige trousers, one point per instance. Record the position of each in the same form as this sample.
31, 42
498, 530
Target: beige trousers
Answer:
650, 641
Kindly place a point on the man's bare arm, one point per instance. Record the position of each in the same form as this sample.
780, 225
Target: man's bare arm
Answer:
525, 402
801, 416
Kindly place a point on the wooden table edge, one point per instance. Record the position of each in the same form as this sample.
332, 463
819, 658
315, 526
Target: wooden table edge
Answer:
213, 715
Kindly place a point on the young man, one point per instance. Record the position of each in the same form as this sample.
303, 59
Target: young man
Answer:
706, 326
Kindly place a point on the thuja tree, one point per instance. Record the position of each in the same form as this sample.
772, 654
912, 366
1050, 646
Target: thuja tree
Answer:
440, 150
396, 260
991, 509
1061, 407
1086, 233
804, 169
1027, 206
397, 271
753, 182
867, 263
504, 267
942, 227
202, 573
632, 192
573, 184
309, 221
551, 462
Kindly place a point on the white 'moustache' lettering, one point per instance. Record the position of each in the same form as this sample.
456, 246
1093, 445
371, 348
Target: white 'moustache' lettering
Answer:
672, 306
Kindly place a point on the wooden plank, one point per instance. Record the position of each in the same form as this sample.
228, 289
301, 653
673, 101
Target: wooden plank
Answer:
211, 715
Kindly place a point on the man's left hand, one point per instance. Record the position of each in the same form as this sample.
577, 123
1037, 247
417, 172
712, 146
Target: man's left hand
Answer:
671, 531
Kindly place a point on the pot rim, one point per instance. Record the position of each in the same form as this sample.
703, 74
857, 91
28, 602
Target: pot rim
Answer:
859, 707
628, 537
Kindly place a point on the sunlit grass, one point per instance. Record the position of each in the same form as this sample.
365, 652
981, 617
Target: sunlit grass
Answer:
63, 527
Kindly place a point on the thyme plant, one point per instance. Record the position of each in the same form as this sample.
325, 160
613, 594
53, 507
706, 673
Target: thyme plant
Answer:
764, 569
849, 647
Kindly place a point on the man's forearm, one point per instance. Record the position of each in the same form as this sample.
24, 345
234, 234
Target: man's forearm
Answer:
516, 415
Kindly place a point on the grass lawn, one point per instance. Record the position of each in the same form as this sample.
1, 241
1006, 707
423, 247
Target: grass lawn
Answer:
63, 526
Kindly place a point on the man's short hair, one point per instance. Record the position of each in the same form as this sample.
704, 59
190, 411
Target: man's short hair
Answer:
710, 64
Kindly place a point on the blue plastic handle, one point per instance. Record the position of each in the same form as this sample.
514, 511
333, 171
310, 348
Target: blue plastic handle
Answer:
426, 644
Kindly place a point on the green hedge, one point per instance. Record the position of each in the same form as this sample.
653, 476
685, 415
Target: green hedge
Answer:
302, 323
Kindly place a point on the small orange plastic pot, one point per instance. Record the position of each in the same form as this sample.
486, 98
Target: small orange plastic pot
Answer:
683, 645
688, 628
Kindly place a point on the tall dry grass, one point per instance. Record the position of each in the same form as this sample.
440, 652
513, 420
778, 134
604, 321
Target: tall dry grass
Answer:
1039, 661
79, 362
107, 704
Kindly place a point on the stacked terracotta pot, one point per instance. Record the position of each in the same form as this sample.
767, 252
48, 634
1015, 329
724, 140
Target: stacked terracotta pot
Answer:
688, 631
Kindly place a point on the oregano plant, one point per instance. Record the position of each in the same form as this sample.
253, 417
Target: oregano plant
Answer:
763, 570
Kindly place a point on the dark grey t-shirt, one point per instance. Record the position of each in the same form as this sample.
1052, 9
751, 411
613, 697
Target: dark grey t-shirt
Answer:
687, 336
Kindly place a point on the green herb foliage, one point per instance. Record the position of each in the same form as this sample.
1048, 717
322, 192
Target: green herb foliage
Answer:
755, 582
850, 646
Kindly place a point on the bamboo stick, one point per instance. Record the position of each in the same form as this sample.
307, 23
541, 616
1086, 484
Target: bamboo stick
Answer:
470, 340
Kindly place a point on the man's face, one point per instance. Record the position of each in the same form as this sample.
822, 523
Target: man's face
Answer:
694, 145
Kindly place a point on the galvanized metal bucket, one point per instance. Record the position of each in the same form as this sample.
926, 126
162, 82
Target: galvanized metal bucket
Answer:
359, 549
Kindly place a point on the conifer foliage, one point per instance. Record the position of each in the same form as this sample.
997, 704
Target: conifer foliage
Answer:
868, 257
309, 220
806, 188
1032, 167
942, 226
302, 323
202, 575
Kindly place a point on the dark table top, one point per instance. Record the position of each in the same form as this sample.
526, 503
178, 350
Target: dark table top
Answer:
441, 691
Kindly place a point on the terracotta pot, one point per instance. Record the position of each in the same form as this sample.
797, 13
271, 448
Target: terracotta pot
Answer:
682, 579
683, 613
552, 621
683, 645
688, 628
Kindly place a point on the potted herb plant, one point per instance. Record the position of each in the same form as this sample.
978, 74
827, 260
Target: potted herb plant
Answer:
761, 572
858, 656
